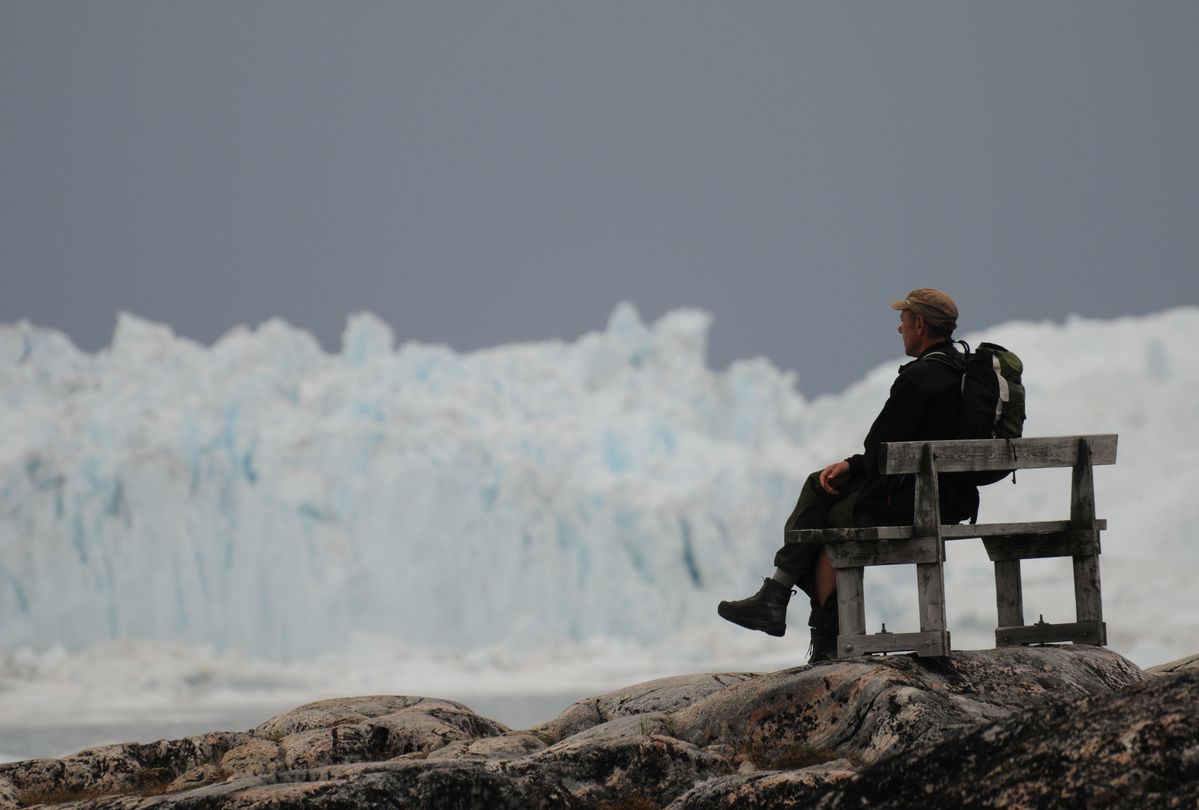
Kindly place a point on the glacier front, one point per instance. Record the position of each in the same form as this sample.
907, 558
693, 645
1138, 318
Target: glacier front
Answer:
263, 496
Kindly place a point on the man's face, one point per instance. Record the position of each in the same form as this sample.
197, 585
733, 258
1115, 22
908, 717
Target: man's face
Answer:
910, 329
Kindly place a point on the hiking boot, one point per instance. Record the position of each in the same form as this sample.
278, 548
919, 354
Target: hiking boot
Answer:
823, 647
766, 610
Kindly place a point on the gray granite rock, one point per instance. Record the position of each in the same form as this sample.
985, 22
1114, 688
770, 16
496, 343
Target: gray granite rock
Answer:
1138, 747
8, 795
765, 790
507, 746
864, 709
661, 695
621, 760
827, 735
380, 709
1188, 662
362, 729
124, 768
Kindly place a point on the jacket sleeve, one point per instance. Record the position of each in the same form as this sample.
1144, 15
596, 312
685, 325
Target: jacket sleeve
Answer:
896, 422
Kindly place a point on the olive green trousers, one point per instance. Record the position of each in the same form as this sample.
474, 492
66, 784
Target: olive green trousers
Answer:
815, 509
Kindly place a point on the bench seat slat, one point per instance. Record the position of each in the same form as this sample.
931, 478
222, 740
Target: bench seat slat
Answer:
891, 552
971, 455
1042, 546
962, 531
958, 531
834, 535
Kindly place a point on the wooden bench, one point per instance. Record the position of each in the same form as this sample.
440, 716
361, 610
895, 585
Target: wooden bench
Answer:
923, 544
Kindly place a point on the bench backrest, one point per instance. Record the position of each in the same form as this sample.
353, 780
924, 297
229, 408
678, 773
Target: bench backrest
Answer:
972, 455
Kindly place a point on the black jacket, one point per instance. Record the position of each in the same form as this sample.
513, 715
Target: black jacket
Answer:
923, 404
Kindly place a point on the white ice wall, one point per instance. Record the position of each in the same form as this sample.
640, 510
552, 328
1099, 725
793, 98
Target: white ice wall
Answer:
263, 495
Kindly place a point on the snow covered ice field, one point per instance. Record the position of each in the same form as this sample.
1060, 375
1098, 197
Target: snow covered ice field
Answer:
193, 535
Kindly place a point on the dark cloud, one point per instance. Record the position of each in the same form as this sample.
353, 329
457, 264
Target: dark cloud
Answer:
478, 173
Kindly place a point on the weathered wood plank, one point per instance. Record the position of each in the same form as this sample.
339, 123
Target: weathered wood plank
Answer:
930, 577
961, 531
1082, 489
964, 455
930, 592
934, 643
927, 522
851, 603
824, 537
950, 531
1088, 603
1069, 543
1077, 632
1009, 593
887, 552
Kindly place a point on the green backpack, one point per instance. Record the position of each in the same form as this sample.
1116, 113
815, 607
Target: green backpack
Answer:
992, 405
992, 384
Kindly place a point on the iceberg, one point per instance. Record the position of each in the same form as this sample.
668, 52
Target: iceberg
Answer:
262, 496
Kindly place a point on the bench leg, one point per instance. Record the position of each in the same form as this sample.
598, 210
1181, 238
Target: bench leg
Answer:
1088, 603
1009, 593
851, 608
1087, 600
930, 586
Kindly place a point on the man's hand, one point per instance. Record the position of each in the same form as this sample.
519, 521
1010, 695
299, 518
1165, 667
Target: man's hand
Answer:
833, 476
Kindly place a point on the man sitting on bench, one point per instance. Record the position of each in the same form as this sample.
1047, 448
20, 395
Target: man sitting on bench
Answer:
922, 405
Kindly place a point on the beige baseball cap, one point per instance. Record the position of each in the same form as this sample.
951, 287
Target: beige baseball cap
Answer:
936, 307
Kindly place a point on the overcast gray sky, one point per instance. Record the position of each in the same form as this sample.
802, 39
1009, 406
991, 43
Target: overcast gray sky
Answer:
484, 172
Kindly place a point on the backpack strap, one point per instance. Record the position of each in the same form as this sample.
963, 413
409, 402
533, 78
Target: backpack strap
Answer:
957, 365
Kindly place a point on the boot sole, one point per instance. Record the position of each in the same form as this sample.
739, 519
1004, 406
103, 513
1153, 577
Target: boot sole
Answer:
750, 624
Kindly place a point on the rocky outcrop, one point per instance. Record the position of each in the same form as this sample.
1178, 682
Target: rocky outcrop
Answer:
865, 709
1138, 747
1009, 727
1171, 667
366, 729
663, 695
128, 768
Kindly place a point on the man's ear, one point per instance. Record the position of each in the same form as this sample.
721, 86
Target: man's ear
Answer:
919, 325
